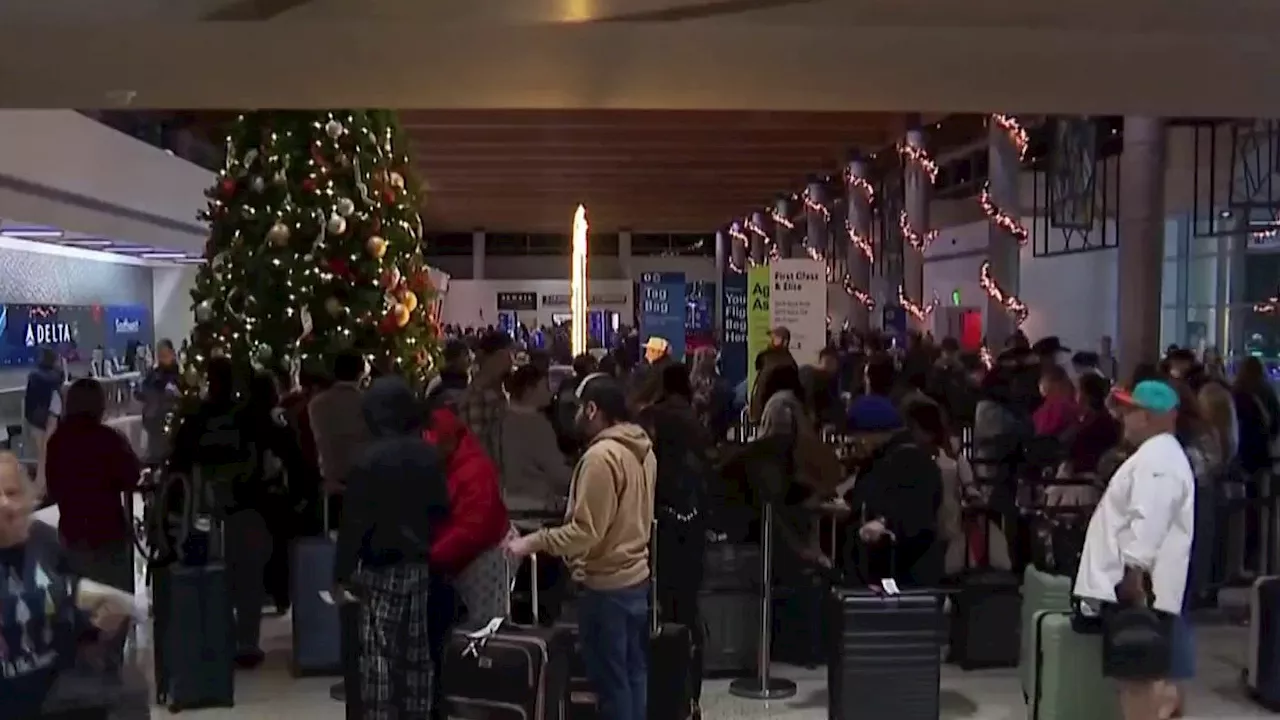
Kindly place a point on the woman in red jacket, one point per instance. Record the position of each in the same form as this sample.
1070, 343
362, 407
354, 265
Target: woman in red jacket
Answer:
466, 551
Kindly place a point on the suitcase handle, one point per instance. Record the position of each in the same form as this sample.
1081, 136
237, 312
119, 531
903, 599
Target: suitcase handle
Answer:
655, 622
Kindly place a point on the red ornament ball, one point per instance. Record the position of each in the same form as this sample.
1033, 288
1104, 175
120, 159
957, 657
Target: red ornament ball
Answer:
309, 185
227, 187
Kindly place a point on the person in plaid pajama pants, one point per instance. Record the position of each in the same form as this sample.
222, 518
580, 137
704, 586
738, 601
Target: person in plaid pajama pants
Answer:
396, 672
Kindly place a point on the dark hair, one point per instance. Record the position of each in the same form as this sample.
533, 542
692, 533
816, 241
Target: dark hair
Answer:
348, 366
1085, 359
783, 377
607, 395
829, 352
1252, 376
585, 364
950, 344
524, 379
928, 418
1094, 390
675, 381
1189, 425
1055, 375
86, 399
262, 392
880, 375
48, 359
1144, 371
164, 344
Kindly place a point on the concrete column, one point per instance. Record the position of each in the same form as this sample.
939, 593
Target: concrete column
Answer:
783, 234
859, 219
624, 253
1237, 253
737, 250
477, 254
1141, 226
918, 190
815, 221
759, 253
1004, 166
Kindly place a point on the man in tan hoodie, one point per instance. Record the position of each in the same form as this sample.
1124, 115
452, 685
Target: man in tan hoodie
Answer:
605, 540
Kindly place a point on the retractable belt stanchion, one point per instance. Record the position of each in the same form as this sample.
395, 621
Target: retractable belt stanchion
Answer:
764, 686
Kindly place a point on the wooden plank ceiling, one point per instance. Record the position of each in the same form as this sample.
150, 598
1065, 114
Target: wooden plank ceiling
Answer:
651, 171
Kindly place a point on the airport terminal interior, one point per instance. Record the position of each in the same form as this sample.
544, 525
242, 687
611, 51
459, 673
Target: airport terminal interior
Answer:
575, 175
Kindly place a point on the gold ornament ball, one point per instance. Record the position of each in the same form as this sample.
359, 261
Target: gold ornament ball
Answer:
278, 234
376, 246
401, 315
333, 306
397, 180
409, 300
336, 225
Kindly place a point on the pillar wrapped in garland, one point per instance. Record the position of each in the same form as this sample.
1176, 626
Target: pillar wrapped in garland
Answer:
1001, 202
860, 255
919, 172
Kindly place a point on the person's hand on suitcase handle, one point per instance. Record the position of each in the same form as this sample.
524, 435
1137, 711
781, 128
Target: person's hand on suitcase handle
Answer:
874, 531
519, 547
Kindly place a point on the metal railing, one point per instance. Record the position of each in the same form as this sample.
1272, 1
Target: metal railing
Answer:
121, 403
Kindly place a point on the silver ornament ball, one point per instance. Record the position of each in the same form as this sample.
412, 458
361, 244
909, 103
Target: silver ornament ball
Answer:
204, 311
278, 234
336, 225
258, 184
346, 207
334, 129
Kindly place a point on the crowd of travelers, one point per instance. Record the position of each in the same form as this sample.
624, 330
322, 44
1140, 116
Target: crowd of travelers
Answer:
424, 487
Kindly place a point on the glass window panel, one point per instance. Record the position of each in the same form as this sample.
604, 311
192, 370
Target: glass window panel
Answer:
1202, 280
1169, 283
1201, 330
1168, 326
1261, 276
1172, 236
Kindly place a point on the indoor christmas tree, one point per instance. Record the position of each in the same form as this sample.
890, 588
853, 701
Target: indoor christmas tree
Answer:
314, 246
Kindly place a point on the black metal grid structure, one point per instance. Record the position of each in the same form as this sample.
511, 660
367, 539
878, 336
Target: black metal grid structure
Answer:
1249, 156
891, 199
1075, 185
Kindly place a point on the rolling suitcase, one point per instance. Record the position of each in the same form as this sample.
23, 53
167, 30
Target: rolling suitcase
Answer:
317, 646
1262, 669
1067, 681
504, 671
885, 659
195, 648
1040, 591
731, 622
984, 627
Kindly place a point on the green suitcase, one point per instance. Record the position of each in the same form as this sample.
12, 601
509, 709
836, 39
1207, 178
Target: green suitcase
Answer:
1068, 682
1040, 591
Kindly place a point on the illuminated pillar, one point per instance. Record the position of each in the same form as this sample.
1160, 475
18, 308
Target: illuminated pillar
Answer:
918, 188
477, 254
578, 288
1141, 231
737, 248
783, 235
859, 195
1005, 234
815, 220
758, 250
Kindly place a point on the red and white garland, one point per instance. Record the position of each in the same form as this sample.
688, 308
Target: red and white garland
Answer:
913, 238
1012, 305
860, 241
736, 234
919, 312
919, 157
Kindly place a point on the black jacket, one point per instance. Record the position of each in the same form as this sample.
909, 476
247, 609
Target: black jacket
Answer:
682, 447
396, 490
903, 485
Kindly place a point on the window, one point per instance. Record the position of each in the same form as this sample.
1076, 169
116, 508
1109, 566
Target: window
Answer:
445, 244
505, 244
549, 244
603, 244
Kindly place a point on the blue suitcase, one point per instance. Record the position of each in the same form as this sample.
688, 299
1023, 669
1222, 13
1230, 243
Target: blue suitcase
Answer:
317, 634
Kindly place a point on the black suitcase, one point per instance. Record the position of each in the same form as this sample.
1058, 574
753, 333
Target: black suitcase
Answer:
195, 644
800, 626
885, 660
985, 617
349, 629
1262, 670
731, 622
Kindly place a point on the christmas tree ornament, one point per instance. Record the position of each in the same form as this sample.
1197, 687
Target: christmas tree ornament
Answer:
401, 315
337, 225
376, 246
264, 353
390, 278
280, 178
204, 311
396, 180
227, 188
278, 235
333, 306
258, 184
345, 207
334, 129
409, 300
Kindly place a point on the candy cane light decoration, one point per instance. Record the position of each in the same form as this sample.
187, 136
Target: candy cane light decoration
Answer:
578, 284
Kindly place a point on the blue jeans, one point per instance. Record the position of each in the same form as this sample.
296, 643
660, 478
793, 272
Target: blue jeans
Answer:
614, 629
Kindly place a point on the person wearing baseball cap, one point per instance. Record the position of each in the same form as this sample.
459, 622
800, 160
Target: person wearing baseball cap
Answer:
1138, 547
605, 540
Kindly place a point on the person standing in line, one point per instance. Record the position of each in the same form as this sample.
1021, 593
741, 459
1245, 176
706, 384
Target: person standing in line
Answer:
484, 403
1137, 550
41, 406
605, 540
158, 392
337, 421
396, 499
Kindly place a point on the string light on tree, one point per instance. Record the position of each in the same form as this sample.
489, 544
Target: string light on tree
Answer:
1010, 302
1000, 219
915, 239
920, 312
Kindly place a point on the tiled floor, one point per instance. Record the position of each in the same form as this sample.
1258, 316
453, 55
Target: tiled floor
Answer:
271, 694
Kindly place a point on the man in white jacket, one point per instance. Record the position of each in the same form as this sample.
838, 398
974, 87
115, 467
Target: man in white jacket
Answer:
1139, 543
